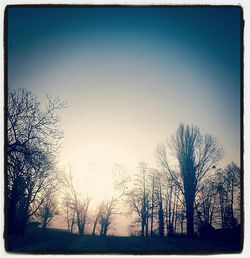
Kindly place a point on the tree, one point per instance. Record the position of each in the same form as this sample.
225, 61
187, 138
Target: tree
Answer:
228, 190
98, 216
139, 197
47, 211
206, 202
196, 154
110, 206
171, 184
33, 139
160, 205
172, 198
76, 203
153, 200
69, 212
232, 176
106, 215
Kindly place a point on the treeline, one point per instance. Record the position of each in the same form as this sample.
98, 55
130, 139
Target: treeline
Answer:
185, 193
159, 203
190, 196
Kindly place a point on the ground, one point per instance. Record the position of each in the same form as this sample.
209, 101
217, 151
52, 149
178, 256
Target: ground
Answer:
61, 242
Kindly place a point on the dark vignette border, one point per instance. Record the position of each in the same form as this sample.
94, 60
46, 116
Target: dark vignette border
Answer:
5, 43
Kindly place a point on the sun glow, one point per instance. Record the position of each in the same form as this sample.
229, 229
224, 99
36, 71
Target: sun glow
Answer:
91, 168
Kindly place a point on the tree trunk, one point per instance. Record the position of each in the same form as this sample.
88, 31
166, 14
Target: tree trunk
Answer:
95, 223
190, 218
181, 227
102, 228
84, 217
79, 225
106, 225
16, 223
161, 220
44, 226
166, 213
147, 222
161, 214
189, 192
152, 205
72, 223
11, 218
142, 227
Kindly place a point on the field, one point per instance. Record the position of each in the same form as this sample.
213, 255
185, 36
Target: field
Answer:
61, 242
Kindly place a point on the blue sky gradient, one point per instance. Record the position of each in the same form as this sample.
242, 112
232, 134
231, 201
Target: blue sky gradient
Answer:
130, 75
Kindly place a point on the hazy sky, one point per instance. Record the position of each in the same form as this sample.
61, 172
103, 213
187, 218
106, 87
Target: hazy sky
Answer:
129, 76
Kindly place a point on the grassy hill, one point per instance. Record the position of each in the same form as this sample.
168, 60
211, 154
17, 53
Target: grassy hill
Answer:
62, 242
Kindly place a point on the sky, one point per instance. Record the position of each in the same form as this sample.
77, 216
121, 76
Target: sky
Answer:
129, 77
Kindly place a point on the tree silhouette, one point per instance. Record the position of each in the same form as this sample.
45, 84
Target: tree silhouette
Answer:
139, 197
160, 205
196, 155
68, 212
47, 211
75, 202
98, 216
153, 199
110, 207
33, 138
228, 190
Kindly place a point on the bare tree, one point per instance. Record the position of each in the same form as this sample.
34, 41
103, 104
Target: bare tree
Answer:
172, 198
139, 197
232, 177
228, 189
206, 202
69, 212
47, 211
160, 205
153, 199
33, 138
78, 205
196, 155
181, 217
98, 216
112, 206
107, 211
